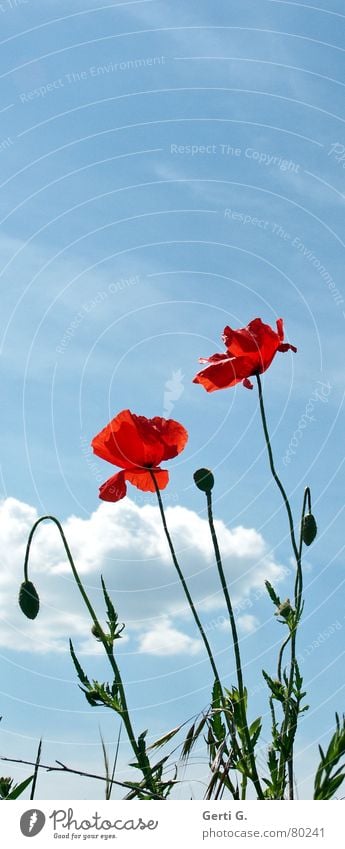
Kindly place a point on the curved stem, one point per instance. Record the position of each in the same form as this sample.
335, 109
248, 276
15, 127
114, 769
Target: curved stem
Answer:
108, 648
299, 576
255, 777
273, 470
280, 658
184, 584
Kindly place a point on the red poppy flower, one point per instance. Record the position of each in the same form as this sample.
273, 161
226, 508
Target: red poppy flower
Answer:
249, 351
138, 446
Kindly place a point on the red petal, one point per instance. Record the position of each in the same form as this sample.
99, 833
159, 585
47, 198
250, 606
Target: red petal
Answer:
117, 440
280, 328
250, 350
239, 342
247, 383
286, 347
227, 373
114, 488
142, 479
128, 441
173, 435
216, 358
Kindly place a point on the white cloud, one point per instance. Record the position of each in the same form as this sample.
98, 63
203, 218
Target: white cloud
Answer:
125, 543
248, 623
164, 640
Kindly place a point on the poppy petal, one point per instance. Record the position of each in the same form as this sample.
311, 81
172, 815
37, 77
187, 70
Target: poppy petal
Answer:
114, 488
286, 347
239, 342
173, 435
280, 328
250, 351
129, 441
114, 442
227, 373
216, 358
142, 479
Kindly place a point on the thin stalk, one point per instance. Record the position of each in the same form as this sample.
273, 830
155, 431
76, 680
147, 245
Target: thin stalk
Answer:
274, 473
108, 648
298, 594
37, 764
184, 584
255, 777
280, 657
299, 577
191, 603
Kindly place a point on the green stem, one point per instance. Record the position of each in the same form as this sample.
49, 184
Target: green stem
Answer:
280, 657
298, 596
255, 777
192, 607
184, 584
108, 648
274, 473
299, 578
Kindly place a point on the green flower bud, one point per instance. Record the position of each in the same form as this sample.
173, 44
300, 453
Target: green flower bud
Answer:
309, 529
204, 480
285, 609
97, 632
29, 601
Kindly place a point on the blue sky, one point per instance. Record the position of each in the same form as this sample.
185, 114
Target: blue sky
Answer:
166, 171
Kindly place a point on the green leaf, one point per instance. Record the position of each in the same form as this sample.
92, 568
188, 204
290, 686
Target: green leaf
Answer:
327, 778
113, 621
188, 743
81, 674
19, 788
275, 686
216, 695
255, 730
272, 594
166, 737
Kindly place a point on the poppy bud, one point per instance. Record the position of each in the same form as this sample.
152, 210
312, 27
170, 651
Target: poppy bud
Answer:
309, 529
29, 601
285, 609
204, 480
97, 632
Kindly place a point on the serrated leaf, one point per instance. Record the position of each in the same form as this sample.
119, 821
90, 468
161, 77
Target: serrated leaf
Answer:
113, 619
216, 695
80, 672
275, 686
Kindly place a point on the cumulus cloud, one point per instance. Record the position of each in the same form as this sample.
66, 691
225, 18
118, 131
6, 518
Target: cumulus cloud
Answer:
163, 639
248, 623
125, 543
